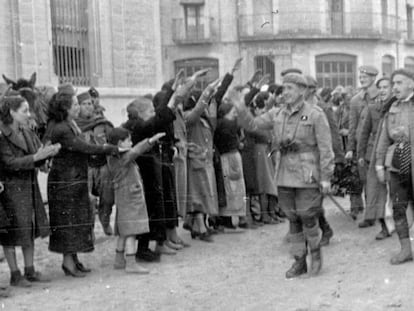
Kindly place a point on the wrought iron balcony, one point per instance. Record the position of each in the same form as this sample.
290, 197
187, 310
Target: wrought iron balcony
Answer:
197, 31
320, 25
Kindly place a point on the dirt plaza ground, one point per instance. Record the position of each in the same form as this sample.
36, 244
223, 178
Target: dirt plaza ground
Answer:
239, 271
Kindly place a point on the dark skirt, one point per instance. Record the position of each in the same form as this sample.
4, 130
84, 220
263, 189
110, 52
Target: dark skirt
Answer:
70, 213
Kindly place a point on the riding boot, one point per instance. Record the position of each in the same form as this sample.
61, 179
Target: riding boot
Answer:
312, 236
383, 234
298, 268
405, 254
327, 231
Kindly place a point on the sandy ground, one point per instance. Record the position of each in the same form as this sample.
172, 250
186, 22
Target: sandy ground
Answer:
240, 271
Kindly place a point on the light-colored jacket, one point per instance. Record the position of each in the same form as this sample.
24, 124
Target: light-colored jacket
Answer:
131, 209
308, 127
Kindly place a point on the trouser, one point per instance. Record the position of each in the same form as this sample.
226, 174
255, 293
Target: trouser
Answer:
302, 207
401, 194
170, 199
102, 187
357, 204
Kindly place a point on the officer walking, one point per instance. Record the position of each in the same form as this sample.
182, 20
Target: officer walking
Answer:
302, 139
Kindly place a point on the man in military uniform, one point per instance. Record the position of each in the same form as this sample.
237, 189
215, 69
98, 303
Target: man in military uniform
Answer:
302, 139
376, 192
357, 114
312, 98
393, 155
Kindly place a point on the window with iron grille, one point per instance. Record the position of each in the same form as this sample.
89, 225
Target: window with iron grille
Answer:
194, 64
194, 27
336, 69
266, 65
70, 41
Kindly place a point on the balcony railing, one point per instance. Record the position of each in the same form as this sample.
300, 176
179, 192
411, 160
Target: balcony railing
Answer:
199, 31
319, 25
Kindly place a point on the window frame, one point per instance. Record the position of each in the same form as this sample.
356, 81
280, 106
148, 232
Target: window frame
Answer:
331, 65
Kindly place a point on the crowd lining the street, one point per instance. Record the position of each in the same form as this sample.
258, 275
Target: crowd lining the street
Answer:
220, 158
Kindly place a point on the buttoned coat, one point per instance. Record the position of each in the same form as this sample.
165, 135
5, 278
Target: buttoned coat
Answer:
22, 201
202, 186
308, 127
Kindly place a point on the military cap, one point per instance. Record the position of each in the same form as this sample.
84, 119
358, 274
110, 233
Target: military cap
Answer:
295, 78
67, 88
311, 82
404, 72
369, 70
290, 70
83, 96
384, 78
338, 90
93, 92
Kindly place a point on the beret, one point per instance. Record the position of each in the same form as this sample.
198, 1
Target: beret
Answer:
290, 70
404, 72
67, 88
311, 82
384, 78
295, 78
83, 96
369, 70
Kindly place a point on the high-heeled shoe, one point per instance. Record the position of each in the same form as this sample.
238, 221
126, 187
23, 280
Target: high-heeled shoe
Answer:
75, 273
80, 265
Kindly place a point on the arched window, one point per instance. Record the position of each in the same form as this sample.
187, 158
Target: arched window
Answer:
192, 65
409, 63
335, 69
266, 65
388, 65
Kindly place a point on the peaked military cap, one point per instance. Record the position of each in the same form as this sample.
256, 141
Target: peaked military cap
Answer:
369, 70
295, 78
83, 96
384, 78
290, 70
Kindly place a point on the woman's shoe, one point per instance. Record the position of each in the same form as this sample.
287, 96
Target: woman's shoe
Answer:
80, 265
75, 273
18, 280
33, 276
205, 237
172, 245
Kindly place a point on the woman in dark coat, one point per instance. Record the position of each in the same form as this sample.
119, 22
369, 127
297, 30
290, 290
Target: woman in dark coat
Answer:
20, 156
69, 210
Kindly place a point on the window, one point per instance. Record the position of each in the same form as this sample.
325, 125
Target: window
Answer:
70, 41
194, 64
388, 65
266, 65
194, 26
410, 22
335, 69
409, 63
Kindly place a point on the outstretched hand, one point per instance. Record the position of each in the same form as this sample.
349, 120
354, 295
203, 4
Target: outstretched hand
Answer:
256, 77
236, 98
236, 65
156, 137
178, 79
264, 80
200, 73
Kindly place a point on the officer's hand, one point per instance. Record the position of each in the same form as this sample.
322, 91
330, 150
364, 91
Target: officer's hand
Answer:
361, 162
349, 155
380, 173
325, 187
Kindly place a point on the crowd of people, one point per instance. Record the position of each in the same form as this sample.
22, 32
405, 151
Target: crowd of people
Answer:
221, 157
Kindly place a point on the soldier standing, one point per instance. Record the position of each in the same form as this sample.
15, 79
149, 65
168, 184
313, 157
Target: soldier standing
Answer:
303, 140
357, 114
393, 155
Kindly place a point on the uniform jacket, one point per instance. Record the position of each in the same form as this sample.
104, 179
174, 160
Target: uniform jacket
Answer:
22, 201
308, 127
357, 114
369, 130
131, 209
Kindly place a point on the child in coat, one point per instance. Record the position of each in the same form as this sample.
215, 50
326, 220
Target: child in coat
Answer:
131, 214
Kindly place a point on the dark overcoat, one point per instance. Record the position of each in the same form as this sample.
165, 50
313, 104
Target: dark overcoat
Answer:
21, 199
71, 217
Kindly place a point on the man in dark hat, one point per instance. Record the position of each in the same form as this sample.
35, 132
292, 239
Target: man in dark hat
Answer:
394, 156
357, 114
376, 192
306, 162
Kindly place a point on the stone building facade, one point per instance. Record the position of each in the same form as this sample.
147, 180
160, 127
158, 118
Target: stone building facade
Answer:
329, 39
114, 45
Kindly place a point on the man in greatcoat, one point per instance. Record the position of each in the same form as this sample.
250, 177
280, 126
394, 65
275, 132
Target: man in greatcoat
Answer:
357, 114
376, 192
303, 141
394, 156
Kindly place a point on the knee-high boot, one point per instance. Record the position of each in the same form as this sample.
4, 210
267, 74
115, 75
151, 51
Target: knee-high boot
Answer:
313, 237
401, 226
298, 251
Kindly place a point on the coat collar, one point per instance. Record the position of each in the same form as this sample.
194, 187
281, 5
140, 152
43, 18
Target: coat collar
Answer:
12, 136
